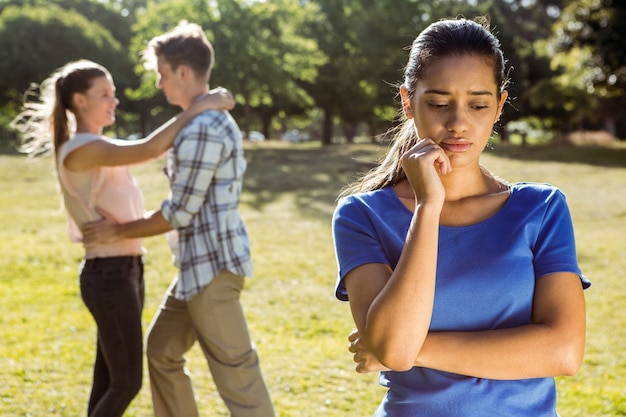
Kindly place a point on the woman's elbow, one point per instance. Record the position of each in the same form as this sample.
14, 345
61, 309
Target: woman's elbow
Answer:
570, 357
568, 369
398, 354
398, 366
571, 365
398, 361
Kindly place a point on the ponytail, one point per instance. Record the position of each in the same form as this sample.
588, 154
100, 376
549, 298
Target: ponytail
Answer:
389, 171
47, 118
59, 123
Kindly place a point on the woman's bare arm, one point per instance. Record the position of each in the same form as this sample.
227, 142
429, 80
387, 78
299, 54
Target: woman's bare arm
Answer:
552, 345
117, 152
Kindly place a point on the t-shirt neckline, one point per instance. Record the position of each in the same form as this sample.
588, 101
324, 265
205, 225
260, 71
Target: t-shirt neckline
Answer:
513, 188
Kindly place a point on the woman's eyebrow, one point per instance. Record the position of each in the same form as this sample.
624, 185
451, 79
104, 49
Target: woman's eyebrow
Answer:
446, 93
481, 93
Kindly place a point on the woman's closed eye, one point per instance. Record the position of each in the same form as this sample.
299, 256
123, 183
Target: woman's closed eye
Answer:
438, 105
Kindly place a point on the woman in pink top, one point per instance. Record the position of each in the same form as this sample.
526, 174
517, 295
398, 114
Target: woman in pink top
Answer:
76, 103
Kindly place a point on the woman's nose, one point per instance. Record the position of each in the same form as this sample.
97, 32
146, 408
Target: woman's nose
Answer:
457, 121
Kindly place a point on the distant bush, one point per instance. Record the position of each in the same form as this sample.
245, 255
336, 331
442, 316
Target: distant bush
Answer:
586, 138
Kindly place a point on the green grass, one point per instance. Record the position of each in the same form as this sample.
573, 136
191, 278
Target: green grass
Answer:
47, 336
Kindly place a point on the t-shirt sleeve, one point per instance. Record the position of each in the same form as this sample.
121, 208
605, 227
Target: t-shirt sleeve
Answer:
356, 240
555, 248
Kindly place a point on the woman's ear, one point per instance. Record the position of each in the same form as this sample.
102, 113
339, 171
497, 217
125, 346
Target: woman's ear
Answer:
406, 103
78, 100
503, 96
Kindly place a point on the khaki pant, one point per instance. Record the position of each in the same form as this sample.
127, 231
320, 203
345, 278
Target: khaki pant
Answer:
214, 318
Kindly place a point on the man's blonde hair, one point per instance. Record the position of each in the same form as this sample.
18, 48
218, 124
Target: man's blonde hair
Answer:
186, 44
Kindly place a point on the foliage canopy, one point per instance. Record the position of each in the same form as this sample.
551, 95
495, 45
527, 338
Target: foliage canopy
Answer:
325, 64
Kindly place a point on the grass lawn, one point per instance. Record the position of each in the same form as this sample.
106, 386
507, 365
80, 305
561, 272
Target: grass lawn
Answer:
47, 336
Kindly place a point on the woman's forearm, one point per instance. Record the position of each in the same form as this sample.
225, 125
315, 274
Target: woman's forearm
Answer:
399, 316
525, 352
551, 345
159, 141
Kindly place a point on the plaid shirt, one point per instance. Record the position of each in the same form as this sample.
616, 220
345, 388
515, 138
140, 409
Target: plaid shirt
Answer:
205, 168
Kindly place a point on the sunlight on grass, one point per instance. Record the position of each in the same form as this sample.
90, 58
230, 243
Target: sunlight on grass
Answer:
300, 330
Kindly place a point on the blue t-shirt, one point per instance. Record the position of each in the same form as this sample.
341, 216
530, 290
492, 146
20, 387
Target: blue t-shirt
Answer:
486, 276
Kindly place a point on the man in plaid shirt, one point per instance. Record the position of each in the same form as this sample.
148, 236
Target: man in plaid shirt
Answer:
209, 242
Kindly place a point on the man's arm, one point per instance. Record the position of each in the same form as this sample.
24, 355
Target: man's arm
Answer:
108, 230
198, 156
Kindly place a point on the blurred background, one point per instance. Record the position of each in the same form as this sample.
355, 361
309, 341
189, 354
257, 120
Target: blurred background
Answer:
328, 70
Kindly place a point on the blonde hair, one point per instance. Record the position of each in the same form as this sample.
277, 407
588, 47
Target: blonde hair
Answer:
47, 118
186, 44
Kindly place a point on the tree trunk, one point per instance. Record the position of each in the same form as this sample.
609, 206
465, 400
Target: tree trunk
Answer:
350, 132
610, 125
267, 123
246, 118
327, 131
372, 133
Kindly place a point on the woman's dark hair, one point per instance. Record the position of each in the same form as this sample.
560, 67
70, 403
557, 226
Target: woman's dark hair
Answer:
445, 38
453, 38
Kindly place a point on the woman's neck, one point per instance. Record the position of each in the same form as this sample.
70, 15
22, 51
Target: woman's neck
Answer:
467, 182
460, 185
84, 127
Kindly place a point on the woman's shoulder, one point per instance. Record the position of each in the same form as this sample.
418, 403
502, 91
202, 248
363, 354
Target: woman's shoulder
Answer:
81, 139
370, 204
535, 189
77, 141
367, 198
76, 144
534, 193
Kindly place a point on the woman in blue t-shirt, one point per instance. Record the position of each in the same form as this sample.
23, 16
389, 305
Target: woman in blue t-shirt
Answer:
465, 289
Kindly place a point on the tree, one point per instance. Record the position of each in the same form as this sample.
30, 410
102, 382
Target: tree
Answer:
366, 43
38, 40
587, 47
338, 79
261, 55
519, 24
265, 55
128, 8
384, 36
148, 103
38, 36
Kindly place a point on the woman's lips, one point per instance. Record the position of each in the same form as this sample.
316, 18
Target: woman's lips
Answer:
455, 145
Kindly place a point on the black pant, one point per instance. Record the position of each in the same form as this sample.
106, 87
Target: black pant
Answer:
113, 291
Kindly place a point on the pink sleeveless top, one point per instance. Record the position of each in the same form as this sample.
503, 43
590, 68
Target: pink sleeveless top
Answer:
111, 188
